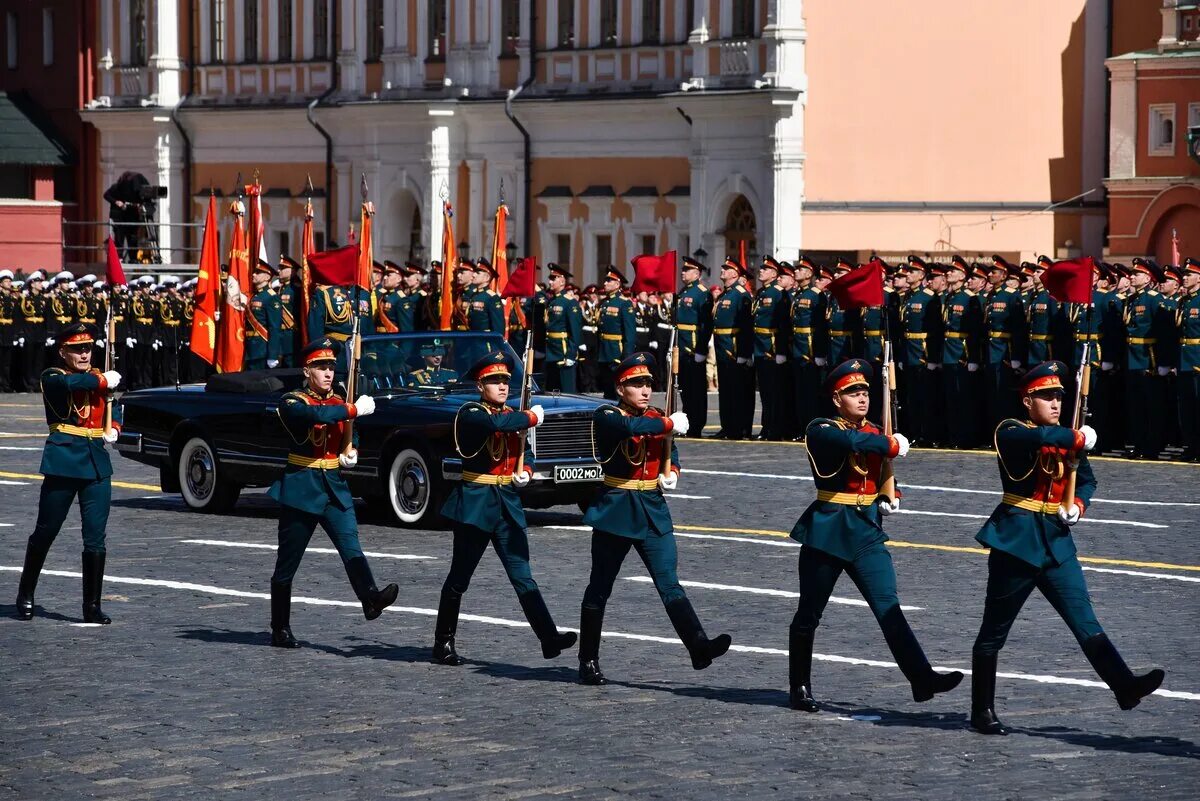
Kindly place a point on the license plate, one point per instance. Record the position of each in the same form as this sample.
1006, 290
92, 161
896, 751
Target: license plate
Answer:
573, 473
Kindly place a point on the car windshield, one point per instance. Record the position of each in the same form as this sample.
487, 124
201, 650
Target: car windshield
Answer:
432, 361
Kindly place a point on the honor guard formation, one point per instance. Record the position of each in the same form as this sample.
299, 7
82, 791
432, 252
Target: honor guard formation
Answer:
983, 355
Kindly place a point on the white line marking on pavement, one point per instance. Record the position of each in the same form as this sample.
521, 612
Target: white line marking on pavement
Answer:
985, 517
497, 621
931, 488
7, 525
671, 495
8, 483
267, 547
704, 585
1142, 574
17, 448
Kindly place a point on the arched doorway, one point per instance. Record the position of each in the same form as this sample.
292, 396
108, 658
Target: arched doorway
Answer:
398, 227
1183, 220
741, 228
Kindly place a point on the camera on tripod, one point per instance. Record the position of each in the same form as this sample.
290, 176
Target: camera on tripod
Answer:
149, 194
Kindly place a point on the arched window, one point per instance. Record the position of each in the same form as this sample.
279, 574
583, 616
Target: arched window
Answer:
138, 55
743, 19
374, 30
250, 31
740, 226
285, 30
321, 30
651, 16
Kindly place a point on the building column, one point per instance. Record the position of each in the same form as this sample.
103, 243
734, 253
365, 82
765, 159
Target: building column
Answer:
349, 63
785, 36
168, 172
105, 63
474, 227
346, 191
439, 189
784, 210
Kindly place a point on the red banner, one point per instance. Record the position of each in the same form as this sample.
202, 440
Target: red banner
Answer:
449, 262
231, 333
1070, 281
365, 249
335, 267
203, 339
522, 282
307, 248
654, 273
860, 287
114, 273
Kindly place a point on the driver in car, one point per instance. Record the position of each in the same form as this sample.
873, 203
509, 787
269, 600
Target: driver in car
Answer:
432, 374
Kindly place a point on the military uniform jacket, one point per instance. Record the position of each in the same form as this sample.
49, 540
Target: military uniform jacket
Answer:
32, 321
332, 314
61, 311
429, 376
489, 441
264, 322
1187, 322
838, 326
1003, 326
406, 310
141, 318
693, 319
733, 324
485, 311
617, 328
630, 446
75, 404
1033, 468
170, 317
870, 332
1041, 312
8, 318
1145, 323
386, 308
771, 320
1100, 324
315, 425
921, 326
89, 309
808, 319
846, 462
288, 305
564, 329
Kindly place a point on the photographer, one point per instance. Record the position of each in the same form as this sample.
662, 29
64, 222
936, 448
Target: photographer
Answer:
130, 201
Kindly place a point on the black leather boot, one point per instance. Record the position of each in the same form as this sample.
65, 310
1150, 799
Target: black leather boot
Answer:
1129, 689
983, 695
374, 600
35, 557
924, 680
281, 616
703, 650
443, 632
800, 648
591, 623
553, 642
93, 579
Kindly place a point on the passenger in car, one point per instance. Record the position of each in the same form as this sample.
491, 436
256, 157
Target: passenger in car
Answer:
486, 507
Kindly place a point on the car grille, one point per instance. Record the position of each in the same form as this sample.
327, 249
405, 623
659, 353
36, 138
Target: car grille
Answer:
564, 436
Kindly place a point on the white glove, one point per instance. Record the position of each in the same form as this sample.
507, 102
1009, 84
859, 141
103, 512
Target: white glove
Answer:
902, 441
583, 348
112, 378
49, 341
744, 360
21, 342
365, 405
972, 367
129, 342
348, 460
568, 363
1106, 366
1014, 364
679, 422
886, 507
110, 435
820, 361
99, 343
700, 358
654, 344
1164, 370
272, 363
931, 366
538, 412
1089, 437
1069, 516
780, 358
154, 345
899, 365
521, 479
668, 480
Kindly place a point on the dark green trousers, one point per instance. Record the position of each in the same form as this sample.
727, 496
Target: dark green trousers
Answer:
58, 493
511, 544
608, 552
1010, 582
871, 571
296, 528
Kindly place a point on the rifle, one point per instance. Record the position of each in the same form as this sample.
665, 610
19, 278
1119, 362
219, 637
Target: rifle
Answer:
887, 477
526, 393
669, 405
355, 347
1082, 378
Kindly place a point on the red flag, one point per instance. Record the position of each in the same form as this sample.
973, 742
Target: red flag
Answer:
522, 280
742, 253
115, 275
365, 255
500, 262
256, 230
231, 344
860, 287
307, 248
203, 338
654, 273
1175, 247
1070, 281
446, 297
335, 267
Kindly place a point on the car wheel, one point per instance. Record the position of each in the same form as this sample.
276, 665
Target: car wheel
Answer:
413, 491
200, 481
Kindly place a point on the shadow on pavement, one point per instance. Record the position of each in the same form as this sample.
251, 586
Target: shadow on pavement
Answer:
39, 612
1146, 744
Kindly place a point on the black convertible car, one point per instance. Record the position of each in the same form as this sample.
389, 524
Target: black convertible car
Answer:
211, 440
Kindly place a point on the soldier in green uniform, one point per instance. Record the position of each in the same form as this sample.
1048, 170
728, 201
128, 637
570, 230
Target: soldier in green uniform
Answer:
1041, 315
771, 317
264, 320
75, 464
485, 506
331, 315
733, 337
808, 321
919, 356
564, 332
1029, 535
9, 300
693, 322
962, 321
432, 374
289, 309
1187, 326
842, 530
312, 489
33, 330
616, 329
1146, 321
631, 512
486, 308
1003, 332
839, 323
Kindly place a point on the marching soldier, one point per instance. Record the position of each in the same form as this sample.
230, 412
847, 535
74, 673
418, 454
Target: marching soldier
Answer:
842, 530
564, 331
808, 320
264, 320
770, 313
616, 328
733, 337
33, 330
919, 355
486, 508
1004, 326
693, 319
1145, 322
962, 325
1029, 535
312, 489
289, 308
75, 464
632, 512
1187, 324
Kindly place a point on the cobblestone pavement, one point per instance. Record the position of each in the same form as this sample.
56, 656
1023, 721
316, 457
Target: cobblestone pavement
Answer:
182, 698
